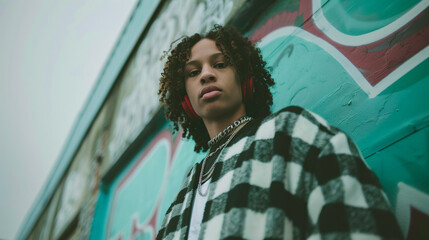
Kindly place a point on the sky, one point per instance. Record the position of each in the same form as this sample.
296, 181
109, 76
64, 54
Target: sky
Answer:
51, 54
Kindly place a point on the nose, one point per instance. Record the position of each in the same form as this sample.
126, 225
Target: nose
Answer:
207, 74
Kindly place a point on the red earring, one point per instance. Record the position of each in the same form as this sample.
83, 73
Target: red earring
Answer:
247, 90
189, 110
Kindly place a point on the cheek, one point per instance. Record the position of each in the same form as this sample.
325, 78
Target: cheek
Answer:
187, 87
190, 90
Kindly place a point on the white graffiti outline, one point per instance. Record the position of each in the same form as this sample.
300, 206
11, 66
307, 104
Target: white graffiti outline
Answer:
337, 55
401, 70
407, 197
345, 62
357, 40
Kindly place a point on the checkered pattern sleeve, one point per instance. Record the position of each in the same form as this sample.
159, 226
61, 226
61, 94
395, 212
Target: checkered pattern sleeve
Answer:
347, 201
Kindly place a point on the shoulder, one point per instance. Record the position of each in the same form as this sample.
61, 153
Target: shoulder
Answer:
304, 129
298, 115
297, 122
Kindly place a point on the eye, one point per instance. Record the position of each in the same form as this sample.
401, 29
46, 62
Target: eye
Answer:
193, 73
220, 65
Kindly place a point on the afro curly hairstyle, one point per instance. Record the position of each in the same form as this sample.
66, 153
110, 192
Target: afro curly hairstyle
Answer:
240, 53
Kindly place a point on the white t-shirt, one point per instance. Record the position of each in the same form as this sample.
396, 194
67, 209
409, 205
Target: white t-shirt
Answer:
197, 212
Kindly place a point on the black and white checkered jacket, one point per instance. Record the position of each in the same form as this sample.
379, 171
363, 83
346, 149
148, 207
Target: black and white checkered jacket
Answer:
288, 176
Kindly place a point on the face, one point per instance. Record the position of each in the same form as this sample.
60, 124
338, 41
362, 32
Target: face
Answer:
211, 84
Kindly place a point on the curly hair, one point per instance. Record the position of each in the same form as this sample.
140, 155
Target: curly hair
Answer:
240, 53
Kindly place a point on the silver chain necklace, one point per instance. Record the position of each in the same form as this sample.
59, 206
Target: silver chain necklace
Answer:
208, 175
228, 130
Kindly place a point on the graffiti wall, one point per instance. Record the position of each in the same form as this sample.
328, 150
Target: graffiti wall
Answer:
362, 65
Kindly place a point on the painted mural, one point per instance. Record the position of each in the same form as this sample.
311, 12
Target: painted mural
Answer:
362, 65
158, 171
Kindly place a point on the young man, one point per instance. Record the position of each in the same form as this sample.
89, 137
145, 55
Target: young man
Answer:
287, 175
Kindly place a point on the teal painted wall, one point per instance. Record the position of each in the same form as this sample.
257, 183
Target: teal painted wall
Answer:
362, 65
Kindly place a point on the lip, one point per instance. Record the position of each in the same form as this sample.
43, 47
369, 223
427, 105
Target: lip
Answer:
209, 89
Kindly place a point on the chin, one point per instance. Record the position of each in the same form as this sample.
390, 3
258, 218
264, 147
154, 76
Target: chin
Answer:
219, 111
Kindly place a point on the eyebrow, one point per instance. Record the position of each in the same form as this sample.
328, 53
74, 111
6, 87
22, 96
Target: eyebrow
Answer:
213, 56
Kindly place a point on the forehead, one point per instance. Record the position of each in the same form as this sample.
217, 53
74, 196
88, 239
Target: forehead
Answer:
203, 49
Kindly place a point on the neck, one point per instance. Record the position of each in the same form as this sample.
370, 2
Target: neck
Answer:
215, 126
